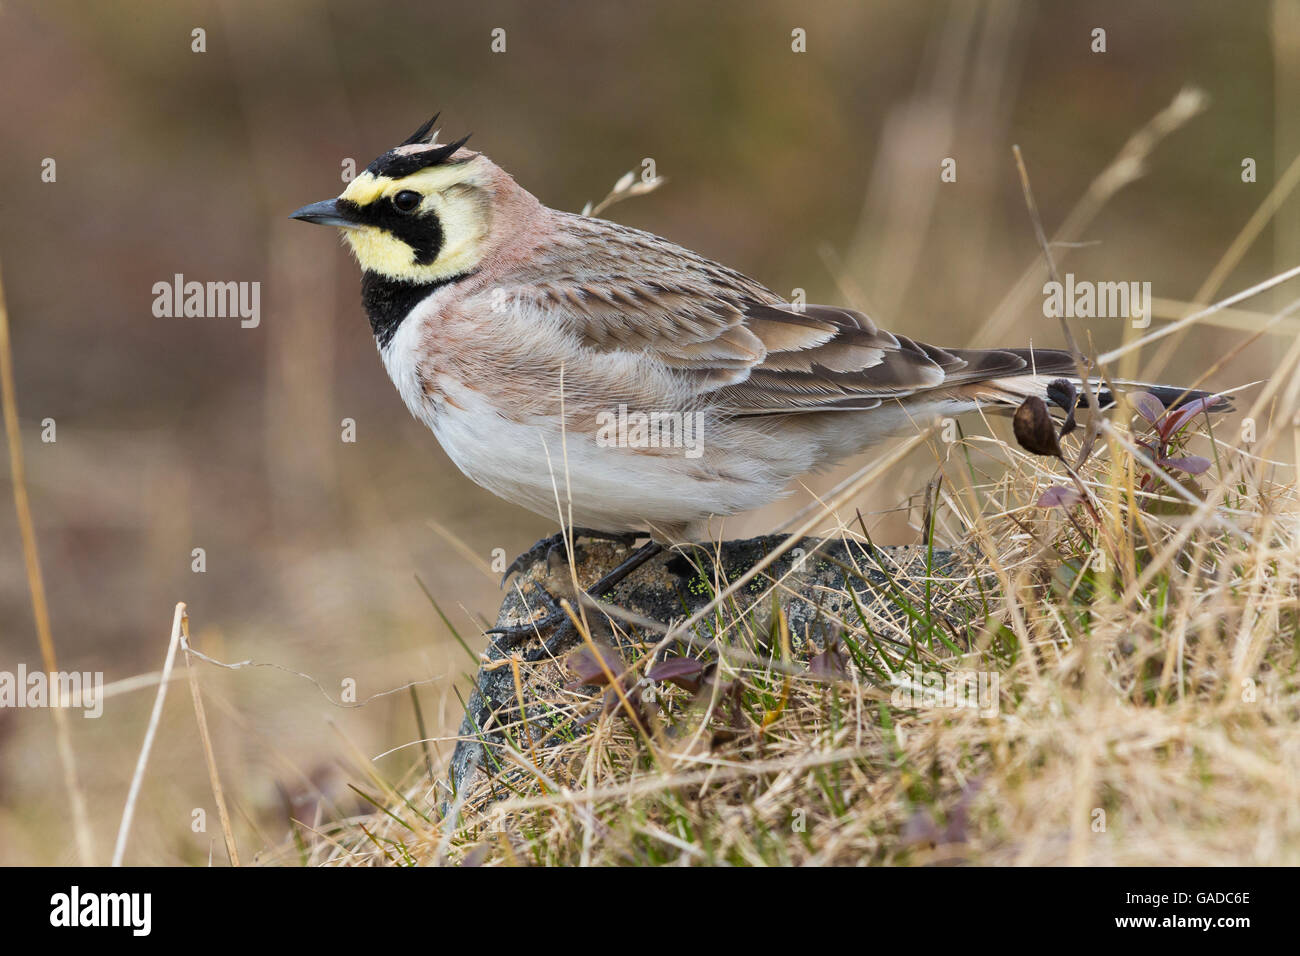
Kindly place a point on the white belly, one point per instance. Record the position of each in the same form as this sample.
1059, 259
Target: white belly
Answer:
535, 465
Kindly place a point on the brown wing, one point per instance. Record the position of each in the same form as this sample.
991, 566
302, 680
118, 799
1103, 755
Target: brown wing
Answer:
861, 365
622, 289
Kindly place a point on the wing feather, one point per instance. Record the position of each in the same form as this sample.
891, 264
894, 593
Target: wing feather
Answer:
749, 351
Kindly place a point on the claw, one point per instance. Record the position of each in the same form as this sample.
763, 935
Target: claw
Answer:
552, 646
543, 548
514, 634
527, 558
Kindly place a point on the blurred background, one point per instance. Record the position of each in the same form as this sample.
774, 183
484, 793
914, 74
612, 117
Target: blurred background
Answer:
816, 170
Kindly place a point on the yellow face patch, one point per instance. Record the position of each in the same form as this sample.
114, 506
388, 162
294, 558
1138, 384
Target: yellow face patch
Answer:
455, 194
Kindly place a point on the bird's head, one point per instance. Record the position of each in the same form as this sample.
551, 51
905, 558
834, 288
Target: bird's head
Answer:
422, 212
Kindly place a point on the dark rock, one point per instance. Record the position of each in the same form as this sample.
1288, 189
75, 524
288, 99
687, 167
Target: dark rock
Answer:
675, 584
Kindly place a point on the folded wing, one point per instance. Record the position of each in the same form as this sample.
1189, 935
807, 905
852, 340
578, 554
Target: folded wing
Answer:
741, 345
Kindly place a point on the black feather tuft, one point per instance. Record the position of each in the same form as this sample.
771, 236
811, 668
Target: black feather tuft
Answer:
399, 162
438, 156
419, 135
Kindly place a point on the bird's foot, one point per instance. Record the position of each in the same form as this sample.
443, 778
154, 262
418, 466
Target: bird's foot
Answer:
557, 620
511, 636
542, 549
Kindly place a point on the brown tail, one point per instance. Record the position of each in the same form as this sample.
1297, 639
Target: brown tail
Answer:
1041, 367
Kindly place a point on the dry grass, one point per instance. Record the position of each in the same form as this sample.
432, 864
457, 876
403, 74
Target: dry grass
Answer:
1147, 699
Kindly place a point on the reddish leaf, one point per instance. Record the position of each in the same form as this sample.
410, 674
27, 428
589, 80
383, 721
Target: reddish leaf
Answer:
685, 672
829, 664
1183, 416
1058, 497
1147, 405
920, 829
1192, 464
958, 828
586, 667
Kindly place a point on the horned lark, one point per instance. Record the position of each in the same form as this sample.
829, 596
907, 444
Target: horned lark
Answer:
526, 337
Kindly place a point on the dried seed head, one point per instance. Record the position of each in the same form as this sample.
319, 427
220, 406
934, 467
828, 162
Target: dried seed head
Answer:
1035, 429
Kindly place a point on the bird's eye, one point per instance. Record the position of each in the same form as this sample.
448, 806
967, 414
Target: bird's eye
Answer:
408, 200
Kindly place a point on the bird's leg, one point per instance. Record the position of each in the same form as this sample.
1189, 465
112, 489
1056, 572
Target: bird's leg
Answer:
557, 619
543, 548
